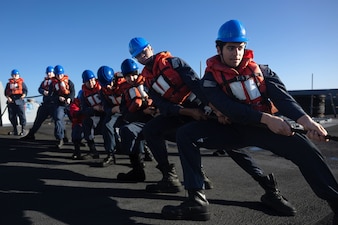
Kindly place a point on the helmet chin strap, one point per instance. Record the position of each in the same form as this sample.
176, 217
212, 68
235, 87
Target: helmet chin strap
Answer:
222, 59
150, 62
220, 49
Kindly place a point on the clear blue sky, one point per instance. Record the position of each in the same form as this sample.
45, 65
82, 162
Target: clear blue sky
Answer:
295, 38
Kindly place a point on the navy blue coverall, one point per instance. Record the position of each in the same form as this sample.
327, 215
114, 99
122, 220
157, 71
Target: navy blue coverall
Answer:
244, 132
164, 126
59, 109
45, 110
111, 122
16, 108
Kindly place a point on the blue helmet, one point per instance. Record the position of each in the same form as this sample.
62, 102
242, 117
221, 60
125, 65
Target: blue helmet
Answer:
15, 72
87, 75
49, 69
136, 45
232, 31
128, 66
58, 70
105, 75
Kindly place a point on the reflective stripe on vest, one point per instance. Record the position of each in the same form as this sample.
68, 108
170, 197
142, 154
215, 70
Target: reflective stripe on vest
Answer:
93, 100
160, 85
240, 88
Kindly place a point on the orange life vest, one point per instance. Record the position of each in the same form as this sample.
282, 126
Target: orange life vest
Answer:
45, 84
246, 83
114, 95
15, 87
165, 80
61, 86
92, 95
135, 96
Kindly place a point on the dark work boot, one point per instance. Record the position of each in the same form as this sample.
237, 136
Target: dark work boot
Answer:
109, 160
23, 131
77, 152
148, 156
220, 152
59, 144
14, 132
28, 137
169, 183
137, 173
273, 198
207, 182
93, 154
194, 208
